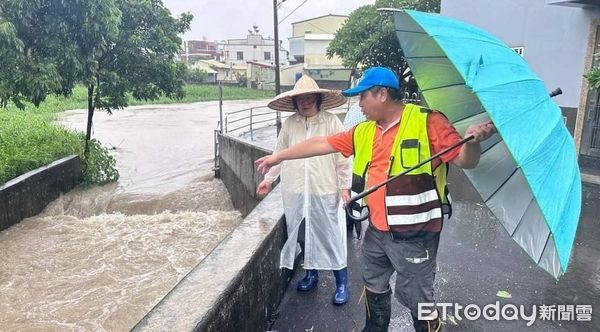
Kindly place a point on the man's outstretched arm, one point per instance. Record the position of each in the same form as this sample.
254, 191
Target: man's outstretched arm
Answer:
316, 146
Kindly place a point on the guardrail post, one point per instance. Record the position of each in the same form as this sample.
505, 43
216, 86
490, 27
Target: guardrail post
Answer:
251, 131
216, 167
221, 105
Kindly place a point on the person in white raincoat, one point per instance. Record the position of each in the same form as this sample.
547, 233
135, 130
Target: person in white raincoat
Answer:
311, 188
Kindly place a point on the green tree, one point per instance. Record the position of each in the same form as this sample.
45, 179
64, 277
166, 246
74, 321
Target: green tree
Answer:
11, 47
140, 60
195, 75
113, 47
28, 71
368, 39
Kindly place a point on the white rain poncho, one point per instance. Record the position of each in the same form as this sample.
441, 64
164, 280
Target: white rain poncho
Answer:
311, 190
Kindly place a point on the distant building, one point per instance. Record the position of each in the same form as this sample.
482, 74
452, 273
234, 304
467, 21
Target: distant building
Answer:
311, 37
223, 73
194, 50
289, 75
253, 48
558, 38
211, 74
260, 76
308, 45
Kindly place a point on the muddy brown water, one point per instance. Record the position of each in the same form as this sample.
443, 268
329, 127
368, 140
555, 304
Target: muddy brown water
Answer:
99, 259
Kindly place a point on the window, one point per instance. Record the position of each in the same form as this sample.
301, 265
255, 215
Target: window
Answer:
520, 50
267, 55
240, 55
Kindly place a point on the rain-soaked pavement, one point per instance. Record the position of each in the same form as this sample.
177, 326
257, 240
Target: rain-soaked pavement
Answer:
476, 261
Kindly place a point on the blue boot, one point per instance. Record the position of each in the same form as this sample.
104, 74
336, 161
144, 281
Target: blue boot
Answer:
309, 282
341, 287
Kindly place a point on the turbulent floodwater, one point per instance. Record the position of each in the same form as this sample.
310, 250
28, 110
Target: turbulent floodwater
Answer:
101, 258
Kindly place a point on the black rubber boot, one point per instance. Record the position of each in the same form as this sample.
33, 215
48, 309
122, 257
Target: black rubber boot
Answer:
434, 325
379, 310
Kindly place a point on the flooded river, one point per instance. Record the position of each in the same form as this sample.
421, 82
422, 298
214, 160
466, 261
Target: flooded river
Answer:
99, 259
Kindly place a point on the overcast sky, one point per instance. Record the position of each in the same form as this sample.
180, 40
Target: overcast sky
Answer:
229, 19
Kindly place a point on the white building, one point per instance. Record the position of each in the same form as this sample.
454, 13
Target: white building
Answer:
253, 48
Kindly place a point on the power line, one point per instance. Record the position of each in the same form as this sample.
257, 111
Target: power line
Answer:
288, 15
313, 25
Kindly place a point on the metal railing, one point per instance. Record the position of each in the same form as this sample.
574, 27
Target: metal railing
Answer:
248, 120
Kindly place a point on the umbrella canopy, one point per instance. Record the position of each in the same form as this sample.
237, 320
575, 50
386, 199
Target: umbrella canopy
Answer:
528, 174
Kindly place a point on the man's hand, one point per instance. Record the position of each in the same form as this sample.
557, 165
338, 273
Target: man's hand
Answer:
481, 131
471, 152
345, 196
263, 188
265, 163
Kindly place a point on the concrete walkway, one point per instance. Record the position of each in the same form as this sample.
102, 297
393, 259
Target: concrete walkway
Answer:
476, 260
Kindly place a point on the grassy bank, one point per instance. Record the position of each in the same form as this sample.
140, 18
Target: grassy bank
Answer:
28, 142
193, 93
29, 139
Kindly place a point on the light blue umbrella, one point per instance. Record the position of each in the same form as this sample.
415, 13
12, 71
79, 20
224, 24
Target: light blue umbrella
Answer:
528, 174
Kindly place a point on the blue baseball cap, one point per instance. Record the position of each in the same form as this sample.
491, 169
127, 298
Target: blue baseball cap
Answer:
375, 76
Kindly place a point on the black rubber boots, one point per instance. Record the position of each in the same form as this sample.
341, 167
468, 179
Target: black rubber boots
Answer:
379, 309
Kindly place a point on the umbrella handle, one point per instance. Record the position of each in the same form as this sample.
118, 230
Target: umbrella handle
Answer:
364, 213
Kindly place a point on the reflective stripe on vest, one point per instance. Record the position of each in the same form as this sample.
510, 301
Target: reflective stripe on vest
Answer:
412, 200
416, 218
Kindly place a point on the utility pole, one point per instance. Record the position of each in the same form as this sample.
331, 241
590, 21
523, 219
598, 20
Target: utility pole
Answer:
277, 78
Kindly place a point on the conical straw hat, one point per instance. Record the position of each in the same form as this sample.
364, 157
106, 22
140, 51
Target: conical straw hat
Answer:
306, 85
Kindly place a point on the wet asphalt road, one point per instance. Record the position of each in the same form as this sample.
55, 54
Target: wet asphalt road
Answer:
476, 260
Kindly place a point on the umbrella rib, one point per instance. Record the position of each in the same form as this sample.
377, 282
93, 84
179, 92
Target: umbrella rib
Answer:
427, 57
545, 245
521, 220
443, 86
412, 31
502, 185
471, 115
491, 146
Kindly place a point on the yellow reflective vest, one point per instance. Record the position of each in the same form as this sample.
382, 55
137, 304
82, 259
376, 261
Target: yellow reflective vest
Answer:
421, 196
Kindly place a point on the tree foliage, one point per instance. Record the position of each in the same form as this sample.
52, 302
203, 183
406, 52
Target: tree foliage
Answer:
195, 75
368, 39
593, 77
141, 60
113, 47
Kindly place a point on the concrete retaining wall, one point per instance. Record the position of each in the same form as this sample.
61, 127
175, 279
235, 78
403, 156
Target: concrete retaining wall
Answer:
236, 163
28, 194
